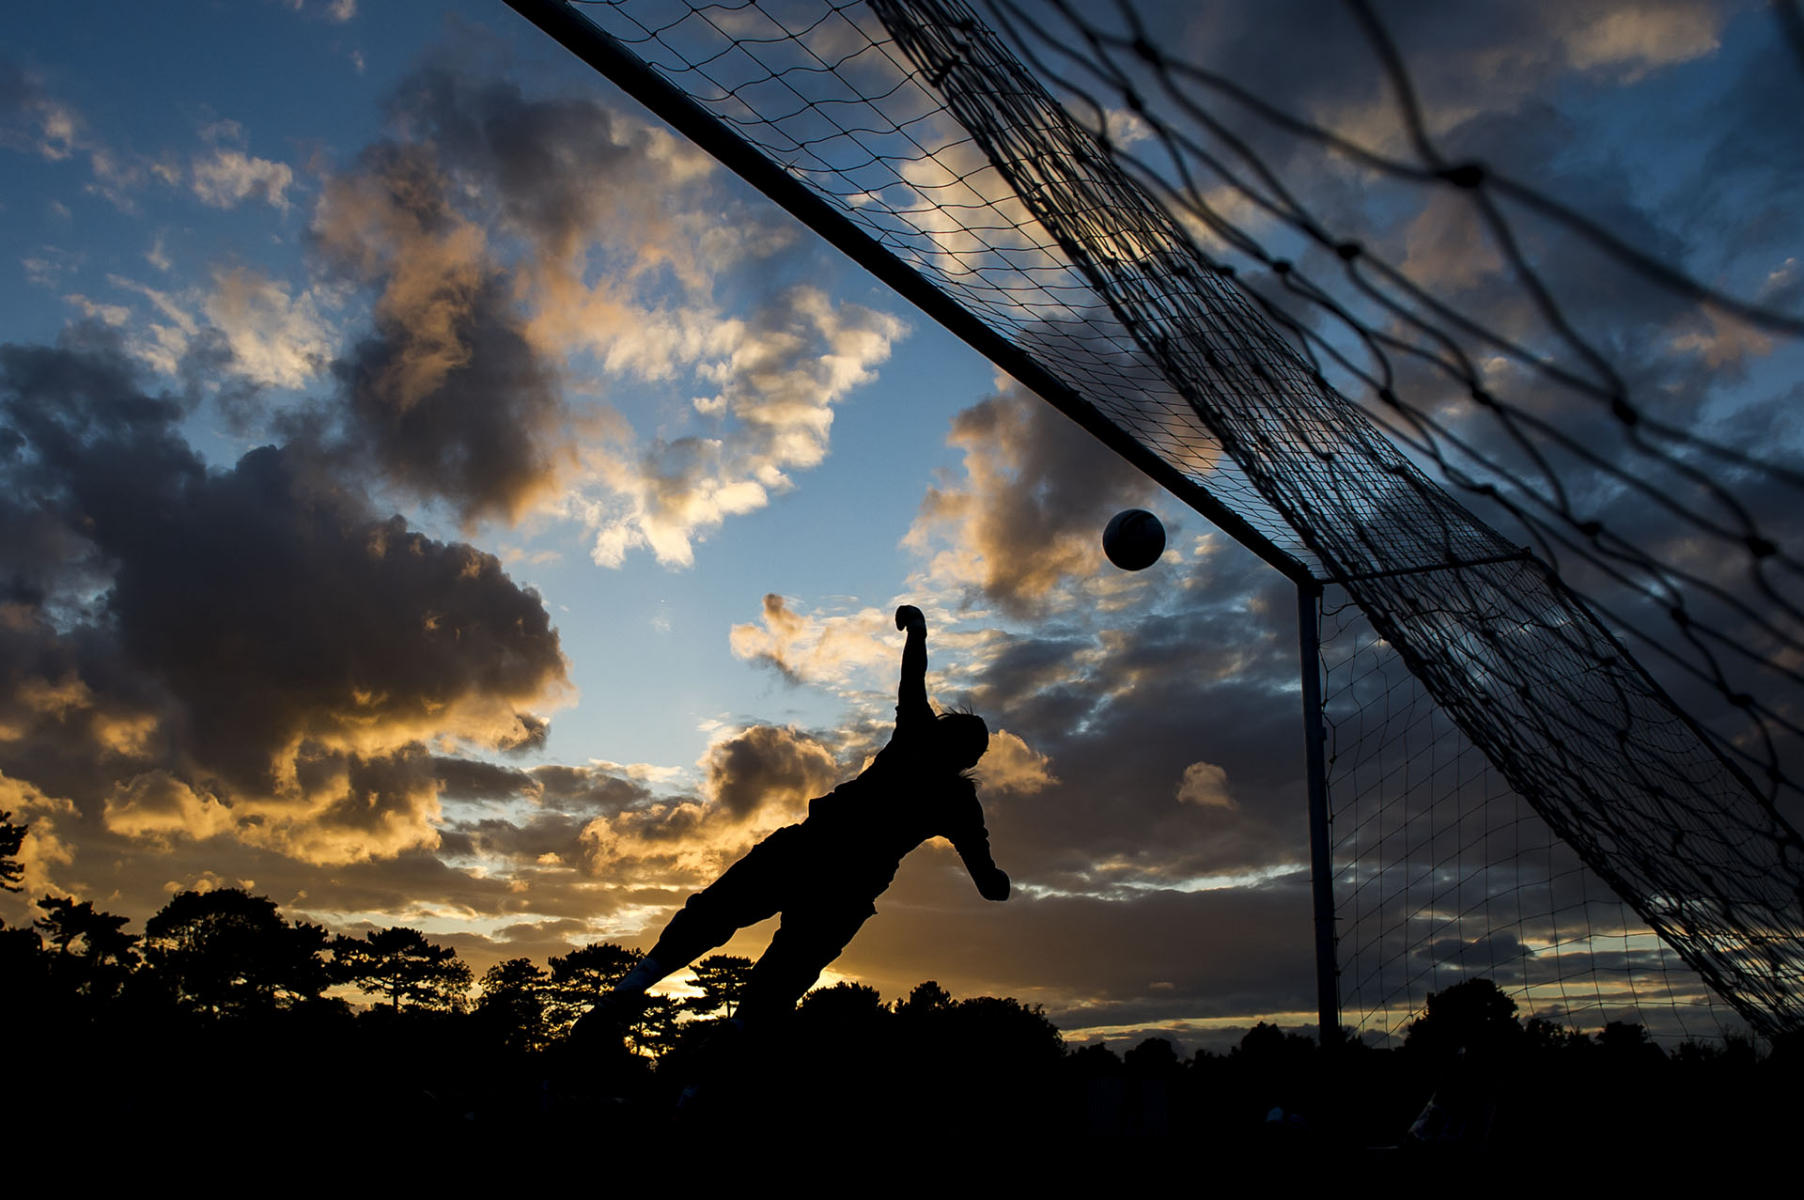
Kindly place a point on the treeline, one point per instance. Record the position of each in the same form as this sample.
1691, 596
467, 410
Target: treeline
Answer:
223, 1007
226, 954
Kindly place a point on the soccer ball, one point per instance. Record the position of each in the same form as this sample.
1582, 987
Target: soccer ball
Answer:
1134, 539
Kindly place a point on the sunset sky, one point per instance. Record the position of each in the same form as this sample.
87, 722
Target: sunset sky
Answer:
437, 495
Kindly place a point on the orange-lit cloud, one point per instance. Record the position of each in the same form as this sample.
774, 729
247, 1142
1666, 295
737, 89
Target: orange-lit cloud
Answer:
756, 780
1205, 785
819, 650
448, 396
1025, 523
44, 852
769, 767
285, 702
155, 805
1011, 765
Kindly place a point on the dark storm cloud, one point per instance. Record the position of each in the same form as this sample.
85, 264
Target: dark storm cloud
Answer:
446, 395
473, 779
769, 765
267, 655
361, 620
548, 833
590, 790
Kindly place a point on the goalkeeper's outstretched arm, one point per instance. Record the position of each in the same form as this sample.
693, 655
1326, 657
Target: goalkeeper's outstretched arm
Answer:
911, 692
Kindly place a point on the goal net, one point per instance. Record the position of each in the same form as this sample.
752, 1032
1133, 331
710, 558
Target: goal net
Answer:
1512, 793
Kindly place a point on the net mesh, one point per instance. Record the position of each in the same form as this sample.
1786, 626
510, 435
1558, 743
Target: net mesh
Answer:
1443, 873
1122, 277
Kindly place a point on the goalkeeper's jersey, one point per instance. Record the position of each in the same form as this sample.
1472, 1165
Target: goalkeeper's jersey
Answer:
869, 824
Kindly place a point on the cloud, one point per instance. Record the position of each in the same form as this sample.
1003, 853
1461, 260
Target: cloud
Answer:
43, 851
455, 392
107, 314
1632, 42
341, 807
769, 766
227, 178
446, 394
755, 780
164, 345
336, 11
1458, 65
817, 649
588, 790
782, 373
248, 650
474, 780
33, 121
275, 339
156, 805
1722, 342
1011, 765
1025, 523
246, 325
616, 237
573, 177
1205, 785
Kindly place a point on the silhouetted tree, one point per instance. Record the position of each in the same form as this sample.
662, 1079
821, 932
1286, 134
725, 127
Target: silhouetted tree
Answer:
23, 966
722, 979
579, 978
1268, 1068
105, 956
1543, 1036
927, 998
513, 1003
1267, 1047
11, 838
399, 964
656, 1030
844, 1005
226, 952
101, 934
1626, 1043
1154, 1058
1093, 1059
1474, 1014
1012, 1038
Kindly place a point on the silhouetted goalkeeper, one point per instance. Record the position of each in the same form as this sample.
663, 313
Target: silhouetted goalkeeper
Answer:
823, 874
